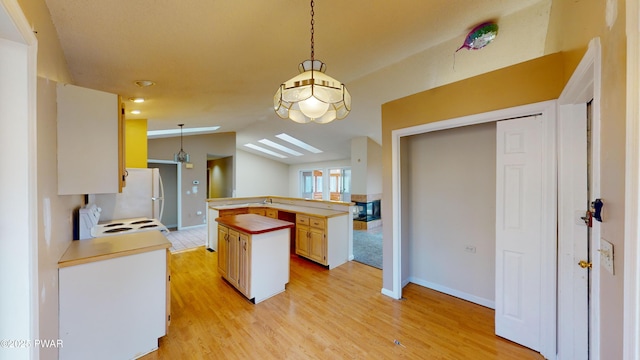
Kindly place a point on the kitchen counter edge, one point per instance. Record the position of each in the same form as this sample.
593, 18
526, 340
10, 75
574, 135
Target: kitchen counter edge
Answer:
109, 247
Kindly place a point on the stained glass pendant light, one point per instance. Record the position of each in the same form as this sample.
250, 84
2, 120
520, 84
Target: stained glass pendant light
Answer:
312, 95
181, 156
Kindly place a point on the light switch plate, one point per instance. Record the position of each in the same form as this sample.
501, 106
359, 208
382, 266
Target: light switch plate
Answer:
606, 255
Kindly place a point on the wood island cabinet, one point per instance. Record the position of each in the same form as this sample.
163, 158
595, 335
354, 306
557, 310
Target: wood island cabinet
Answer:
311, 238
253, 254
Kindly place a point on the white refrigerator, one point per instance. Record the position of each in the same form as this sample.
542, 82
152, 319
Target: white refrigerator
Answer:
142, 197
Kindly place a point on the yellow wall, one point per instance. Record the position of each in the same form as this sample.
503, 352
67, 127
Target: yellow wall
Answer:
136, 143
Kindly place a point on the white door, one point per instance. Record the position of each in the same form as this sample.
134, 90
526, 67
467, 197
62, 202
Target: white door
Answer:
573, 233
519, 210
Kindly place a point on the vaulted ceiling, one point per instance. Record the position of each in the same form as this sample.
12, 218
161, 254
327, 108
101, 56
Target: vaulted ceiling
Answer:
219, 62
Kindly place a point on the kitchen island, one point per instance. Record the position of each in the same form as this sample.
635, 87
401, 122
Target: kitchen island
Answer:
323, 229
114, 296
253, 254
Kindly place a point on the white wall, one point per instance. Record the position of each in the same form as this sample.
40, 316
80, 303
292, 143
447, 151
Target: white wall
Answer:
55, 227
294, 172
257, 175
451, 182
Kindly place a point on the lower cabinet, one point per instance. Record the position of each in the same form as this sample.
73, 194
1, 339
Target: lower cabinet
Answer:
311, 239
257, 265
116, 308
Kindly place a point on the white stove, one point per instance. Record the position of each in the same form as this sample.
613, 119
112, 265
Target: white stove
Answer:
89, 226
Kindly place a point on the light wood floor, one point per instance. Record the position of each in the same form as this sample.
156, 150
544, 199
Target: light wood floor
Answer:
323, 314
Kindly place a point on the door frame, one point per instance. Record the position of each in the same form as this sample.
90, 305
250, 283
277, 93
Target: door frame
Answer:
631, 312
19, 209
583, 86
548, 266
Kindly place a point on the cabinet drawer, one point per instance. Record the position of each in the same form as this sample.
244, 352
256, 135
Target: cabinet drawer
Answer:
272, 213
317, 223
302, 220
237, 211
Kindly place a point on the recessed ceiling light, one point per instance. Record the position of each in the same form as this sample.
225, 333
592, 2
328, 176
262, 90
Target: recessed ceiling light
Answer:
266, 151
144, 83
280, 147
298, 143
135, 112
136, 99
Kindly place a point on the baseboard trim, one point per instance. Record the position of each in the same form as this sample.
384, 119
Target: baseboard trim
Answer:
453, 292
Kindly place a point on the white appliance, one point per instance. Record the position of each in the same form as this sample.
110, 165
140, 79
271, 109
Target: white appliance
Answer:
137, 208
90, 227
142, 197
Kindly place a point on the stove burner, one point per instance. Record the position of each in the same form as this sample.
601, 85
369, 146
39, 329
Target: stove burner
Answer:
141, 222
113, 224
148, 226
116, 230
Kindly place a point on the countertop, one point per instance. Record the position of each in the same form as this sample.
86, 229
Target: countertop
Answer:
109, 247
253, 224
285, 207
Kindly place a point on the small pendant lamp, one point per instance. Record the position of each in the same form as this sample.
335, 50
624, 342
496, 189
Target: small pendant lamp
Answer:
312, 95
181, 156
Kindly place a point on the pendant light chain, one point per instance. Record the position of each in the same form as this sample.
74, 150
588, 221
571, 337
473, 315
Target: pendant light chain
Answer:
312, 23
181, 125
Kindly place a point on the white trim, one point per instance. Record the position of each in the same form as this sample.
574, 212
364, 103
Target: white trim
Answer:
631, 312
549, 252
584, 86
453, 292
21, 33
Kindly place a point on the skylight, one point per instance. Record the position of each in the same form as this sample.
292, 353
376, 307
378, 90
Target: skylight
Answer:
266, 151
298, 143
165, 133
280, 147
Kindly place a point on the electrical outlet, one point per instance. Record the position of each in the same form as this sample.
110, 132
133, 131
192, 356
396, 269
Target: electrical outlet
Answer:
470, 248
606, 255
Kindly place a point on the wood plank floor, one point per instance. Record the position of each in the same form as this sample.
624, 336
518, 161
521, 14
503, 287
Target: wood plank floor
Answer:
336, 314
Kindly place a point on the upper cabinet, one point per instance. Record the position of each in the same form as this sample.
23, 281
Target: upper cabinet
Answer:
90, 141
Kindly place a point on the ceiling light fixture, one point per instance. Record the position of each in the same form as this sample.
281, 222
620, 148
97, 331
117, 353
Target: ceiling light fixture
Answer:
136, 99
135, 112
181, 156
144, 83
312, 95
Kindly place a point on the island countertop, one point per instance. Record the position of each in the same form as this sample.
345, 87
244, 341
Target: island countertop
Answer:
253, 223
109, 247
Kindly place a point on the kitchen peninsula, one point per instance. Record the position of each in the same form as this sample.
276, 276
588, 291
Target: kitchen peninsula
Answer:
323, 229
114, 296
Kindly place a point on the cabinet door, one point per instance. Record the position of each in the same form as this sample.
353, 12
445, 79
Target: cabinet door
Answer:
317, 245
88, 141
244, 265
234, 245
302, 240
258, 211
272, 213
223, 250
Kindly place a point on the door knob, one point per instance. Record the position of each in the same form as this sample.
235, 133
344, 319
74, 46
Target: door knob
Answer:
583, 264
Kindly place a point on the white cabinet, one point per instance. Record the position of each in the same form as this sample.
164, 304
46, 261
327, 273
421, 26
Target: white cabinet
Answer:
115, 308
90, 141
